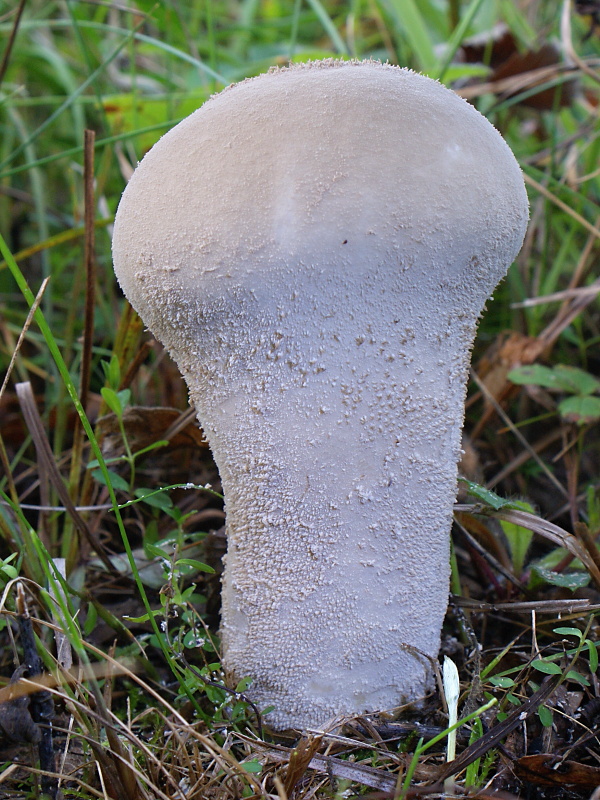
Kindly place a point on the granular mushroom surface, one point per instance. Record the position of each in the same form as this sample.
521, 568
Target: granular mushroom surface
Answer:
314, 247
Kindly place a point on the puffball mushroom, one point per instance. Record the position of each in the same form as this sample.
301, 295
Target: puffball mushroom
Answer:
314, 247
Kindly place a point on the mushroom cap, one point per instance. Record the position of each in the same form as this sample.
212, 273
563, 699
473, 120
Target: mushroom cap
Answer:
313, 164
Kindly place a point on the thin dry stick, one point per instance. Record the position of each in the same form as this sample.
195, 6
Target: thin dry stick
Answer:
501, 730
26, 326
69, 235
567, 43
553, 533
518, 83
563, 206
500, 411
11, 40
41, 704
106, 759
3, 455
88, 326
47, 462
556, 297
523, 457
569, 310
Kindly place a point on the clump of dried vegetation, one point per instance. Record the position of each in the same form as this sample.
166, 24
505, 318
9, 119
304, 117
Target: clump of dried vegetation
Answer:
111, 521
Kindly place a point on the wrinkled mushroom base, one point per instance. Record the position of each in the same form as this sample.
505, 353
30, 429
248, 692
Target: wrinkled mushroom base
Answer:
339, 494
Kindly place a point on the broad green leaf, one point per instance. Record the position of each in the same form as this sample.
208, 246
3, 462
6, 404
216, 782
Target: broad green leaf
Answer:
568, 632
576, 380
547, 667
215, 694
545, 716
244, 684
561, 378
518, 538
8, 570
253, 766
91, 619
157, 552
502, 681
193, 639
116, 401
568, 580
116, 480
581, 409
575, 676
534, 375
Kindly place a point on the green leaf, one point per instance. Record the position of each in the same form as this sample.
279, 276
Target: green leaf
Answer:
568, 632
560, 378
146, 618
243, 684
534, 375
193, 640
90, 620
503, 682
575, 380
547, 667
580, 409
198, 565
157, 498
253, 766
518, 538
117, 481
485, 495
593, 654
215, 694
545, 716
116, 401
157, 552
8, 570
513, 699
568, 580
112, 371
577, 677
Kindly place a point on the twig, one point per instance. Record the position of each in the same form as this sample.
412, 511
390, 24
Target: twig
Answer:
11, 40
41, 704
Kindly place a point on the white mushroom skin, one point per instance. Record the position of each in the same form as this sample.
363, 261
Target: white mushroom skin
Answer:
314, 247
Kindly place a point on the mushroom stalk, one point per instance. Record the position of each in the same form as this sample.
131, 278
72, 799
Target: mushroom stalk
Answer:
314, 247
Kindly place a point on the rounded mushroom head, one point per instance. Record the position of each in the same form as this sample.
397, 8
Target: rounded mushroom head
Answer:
314, 247
307, 167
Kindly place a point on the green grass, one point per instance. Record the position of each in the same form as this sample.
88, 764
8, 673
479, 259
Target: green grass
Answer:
92, 426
